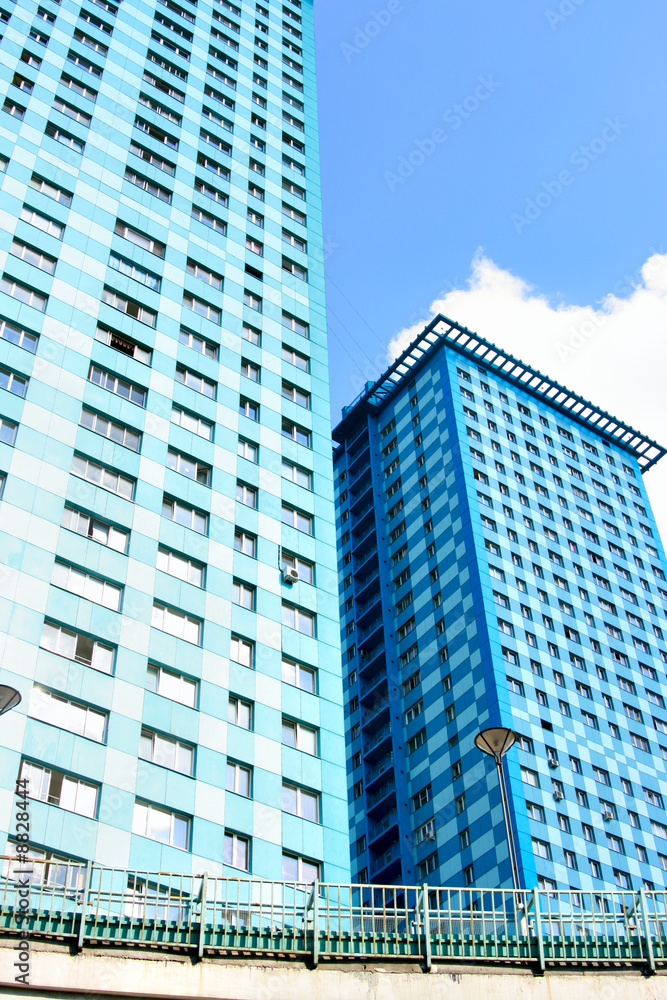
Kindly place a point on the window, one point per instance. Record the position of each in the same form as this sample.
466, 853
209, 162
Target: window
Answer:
239, 779
246, 495
141, 240
95, 529
66, 713
176, 623
299, 736
172, 685
166, 752
298, 434
622, 879
300, 802
204, 274
243, 594
297, 618
299, 675
530, 777
293, 357
296, 519
60, 789
296, 325
296, 395
301, 870
190, 467
246, 543
541, 849
118, 433
535, 812
13, 383
133, 270
297, 475
239, 712
163, 825
237, 851
23, 293
202, 308
120, 387
150, 187
303, 567
77, 646
191, 422
180, 566
195, 381
183, 514
92, 588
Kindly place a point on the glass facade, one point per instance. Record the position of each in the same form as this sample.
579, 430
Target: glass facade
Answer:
499, 564
165, 442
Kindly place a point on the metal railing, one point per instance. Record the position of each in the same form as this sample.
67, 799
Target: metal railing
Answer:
209, 914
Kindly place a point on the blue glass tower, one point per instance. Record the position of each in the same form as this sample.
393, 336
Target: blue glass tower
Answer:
168, 603
499, 564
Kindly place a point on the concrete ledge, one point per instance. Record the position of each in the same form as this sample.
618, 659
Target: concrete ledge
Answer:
113, 972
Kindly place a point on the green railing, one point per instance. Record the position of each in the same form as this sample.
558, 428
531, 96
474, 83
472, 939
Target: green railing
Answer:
212, 915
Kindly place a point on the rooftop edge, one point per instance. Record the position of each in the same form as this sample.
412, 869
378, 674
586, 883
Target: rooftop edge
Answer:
442, 330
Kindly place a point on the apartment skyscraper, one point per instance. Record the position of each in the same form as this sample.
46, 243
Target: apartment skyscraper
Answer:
168, 585
499, 565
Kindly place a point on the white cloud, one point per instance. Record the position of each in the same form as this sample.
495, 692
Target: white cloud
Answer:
613, 353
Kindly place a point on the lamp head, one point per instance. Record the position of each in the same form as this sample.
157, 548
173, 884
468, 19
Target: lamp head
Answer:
495, 742
9, 698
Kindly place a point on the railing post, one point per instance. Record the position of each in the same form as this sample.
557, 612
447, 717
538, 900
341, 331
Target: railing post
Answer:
428, 957
202, 915
316, 921
538, 929
84, 906
647, 929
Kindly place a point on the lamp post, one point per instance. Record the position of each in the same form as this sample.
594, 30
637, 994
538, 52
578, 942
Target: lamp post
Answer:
496, 742
9, 698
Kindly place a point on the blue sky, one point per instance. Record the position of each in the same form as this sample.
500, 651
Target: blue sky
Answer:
532, 137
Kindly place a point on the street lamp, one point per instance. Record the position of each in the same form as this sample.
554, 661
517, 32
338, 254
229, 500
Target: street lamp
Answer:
496, 742
9, 698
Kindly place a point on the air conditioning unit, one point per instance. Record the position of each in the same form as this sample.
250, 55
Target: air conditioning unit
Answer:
290, 575
558, 795
553, 762
607, 815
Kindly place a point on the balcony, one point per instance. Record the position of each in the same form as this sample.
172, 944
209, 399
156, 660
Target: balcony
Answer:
363, 519
373, 688
384, 794
382, 827
368, 611
358, 465
389, 857
380, 770
371, 661
373, 718
376, 741
366, 566
371, 635
357, 445
368, 585
364, 542
361, 497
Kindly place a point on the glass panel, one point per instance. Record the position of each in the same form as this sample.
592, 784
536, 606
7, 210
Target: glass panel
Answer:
289, 734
